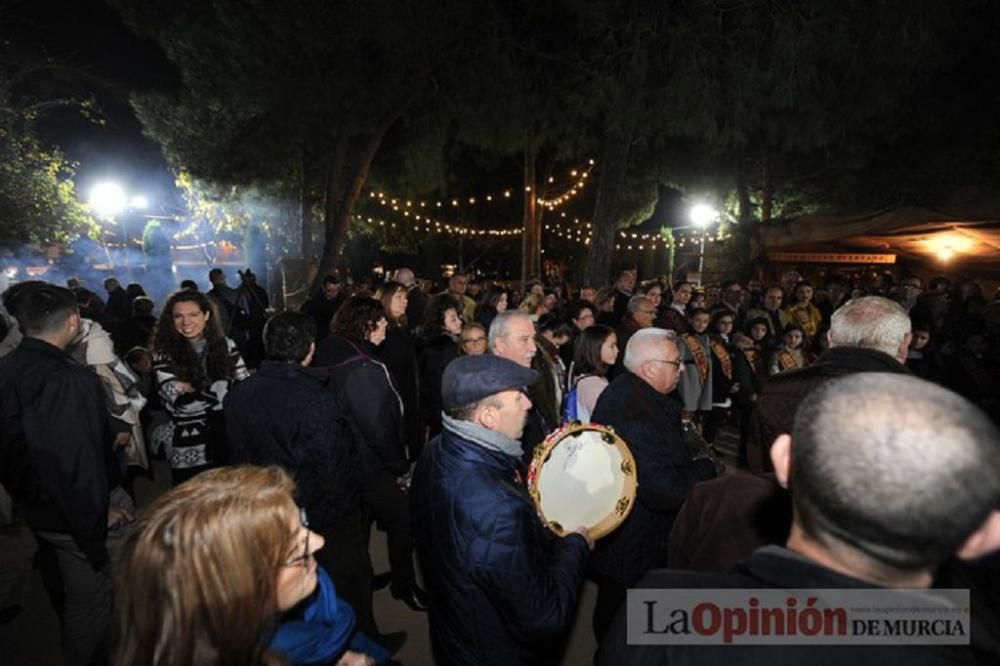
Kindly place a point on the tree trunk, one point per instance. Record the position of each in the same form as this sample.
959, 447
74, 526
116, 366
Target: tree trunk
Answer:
346, 178
305, 209
614, 160
531, 237
767, 192
743, 192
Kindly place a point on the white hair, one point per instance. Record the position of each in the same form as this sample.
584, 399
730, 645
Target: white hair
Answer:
642, 346
870, 322
404, 276
636, 302
501, 324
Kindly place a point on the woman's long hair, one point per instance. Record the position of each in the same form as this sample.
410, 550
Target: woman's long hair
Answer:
183, 359
587, 354
197, 579
385, 294
487, 307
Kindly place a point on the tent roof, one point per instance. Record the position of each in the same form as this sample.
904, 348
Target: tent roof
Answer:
960, 237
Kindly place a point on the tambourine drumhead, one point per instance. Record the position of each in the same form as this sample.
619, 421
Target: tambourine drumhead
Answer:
583, 476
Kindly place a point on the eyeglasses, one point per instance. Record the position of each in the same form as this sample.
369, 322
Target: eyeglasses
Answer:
647, 312
303, 559
677, 363
474, 341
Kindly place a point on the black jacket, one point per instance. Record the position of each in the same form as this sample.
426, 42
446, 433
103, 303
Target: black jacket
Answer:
504, 589
435, 355
136, 331
285, 415
776, 568
783, 393
322, 309
363, 388
650, 424
55, 444
399, 353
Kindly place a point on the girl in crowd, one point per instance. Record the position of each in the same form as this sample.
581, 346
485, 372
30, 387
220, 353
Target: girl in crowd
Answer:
442, 328
724, 382
473, 339
790, 356
399, 353
494, 302
221, 570
674, 317
533, 305
551, 334
921, 358
596, 353
802, 313
194, 364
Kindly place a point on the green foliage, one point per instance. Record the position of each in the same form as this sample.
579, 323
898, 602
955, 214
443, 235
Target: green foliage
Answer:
37, 197
155, 240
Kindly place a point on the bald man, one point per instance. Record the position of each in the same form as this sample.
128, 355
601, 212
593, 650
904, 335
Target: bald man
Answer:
890, 476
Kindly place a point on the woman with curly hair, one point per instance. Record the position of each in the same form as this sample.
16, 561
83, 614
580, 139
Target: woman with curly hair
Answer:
367, 394
194, 365
442, 328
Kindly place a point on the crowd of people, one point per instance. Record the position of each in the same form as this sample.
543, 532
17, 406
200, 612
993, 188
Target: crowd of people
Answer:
416, 408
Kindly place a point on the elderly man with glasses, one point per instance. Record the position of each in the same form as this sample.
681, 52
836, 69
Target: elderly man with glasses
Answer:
638, 406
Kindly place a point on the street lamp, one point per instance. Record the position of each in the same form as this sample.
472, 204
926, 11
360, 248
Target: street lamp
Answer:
701, 216
108, 199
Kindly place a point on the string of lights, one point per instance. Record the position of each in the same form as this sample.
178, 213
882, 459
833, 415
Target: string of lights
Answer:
579, 178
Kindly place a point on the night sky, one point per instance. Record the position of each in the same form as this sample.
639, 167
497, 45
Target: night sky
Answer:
102, 58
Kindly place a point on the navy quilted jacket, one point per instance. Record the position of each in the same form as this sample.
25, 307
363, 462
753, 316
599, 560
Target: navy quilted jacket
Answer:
504, 589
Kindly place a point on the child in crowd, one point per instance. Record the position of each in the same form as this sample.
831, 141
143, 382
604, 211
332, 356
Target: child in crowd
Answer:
696, 354
790, 355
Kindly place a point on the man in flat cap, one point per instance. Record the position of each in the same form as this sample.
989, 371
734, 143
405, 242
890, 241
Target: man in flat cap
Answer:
504, 589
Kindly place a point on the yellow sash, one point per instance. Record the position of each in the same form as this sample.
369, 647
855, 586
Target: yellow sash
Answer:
723, 356
698, 354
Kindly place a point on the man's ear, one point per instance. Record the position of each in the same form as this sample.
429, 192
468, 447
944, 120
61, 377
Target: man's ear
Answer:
781, 458
985, 540
904, 348
829, 338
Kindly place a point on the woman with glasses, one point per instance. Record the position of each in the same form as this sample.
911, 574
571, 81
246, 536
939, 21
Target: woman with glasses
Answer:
221, 570
473, 341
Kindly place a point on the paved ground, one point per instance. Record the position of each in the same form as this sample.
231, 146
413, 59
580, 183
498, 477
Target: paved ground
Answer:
32, 638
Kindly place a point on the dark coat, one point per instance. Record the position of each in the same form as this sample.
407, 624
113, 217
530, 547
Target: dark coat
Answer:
650, 423
783, 393
435, 355
55, 444
623, 332
364, 390
399, 353
136, 331
775, 568
504, 589
416, 305
672, 320
285, 415
721, 384
322, 309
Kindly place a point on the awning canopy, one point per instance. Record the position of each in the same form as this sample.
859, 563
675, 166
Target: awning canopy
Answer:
962, 238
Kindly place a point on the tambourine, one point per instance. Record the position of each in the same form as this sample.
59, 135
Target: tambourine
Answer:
583, 475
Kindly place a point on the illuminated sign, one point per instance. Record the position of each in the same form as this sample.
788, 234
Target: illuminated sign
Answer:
831, 258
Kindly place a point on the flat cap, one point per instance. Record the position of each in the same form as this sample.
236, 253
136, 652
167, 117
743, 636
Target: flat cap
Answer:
469, 379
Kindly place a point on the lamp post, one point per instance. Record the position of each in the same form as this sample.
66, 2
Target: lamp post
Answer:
108, 199
701, 216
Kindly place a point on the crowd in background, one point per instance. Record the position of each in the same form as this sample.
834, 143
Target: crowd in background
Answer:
203, 379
